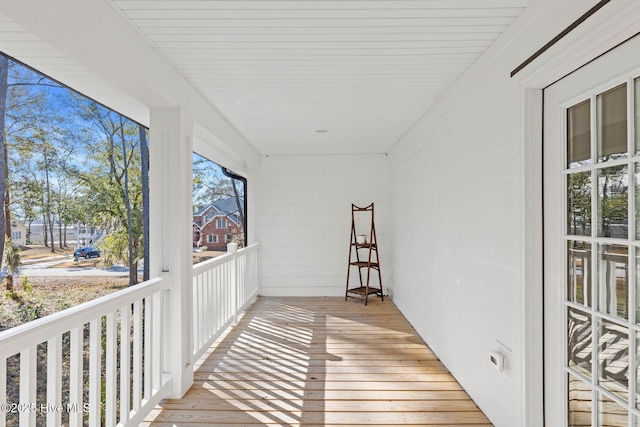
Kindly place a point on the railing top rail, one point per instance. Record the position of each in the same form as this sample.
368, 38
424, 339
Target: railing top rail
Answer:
211, 263
215, 262
35, 332
249, 248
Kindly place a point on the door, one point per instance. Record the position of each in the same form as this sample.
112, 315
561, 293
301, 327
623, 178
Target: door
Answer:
592, 243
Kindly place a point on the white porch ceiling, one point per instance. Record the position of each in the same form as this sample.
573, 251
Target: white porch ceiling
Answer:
362, 72
321, 76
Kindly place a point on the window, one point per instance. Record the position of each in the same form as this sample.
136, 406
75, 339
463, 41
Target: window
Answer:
47, 120
602, 270
219, 199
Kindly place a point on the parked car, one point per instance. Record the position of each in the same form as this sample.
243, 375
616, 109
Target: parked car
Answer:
87, 252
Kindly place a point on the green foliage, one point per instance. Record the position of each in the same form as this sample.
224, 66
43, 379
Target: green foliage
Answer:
579, 194
613, 198
26, 285
114, 184
29, 310
11, 261
11, 255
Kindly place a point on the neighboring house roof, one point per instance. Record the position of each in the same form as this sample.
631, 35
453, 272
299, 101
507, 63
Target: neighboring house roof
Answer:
225, 207
202, 211
228, 205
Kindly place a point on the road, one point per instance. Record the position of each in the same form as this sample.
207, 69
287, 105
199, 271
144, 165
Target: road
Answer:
43, 267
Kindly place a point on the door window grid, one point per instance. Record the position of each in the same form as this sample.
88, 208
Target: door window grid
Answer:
601, 283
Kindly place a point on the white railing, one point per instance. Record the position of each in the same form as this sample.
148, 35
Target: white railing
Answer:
222, 288
101, 362
98, 363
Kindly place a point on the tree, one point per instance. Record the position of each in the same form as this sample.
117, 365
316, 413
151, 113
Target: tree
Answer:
12, 261
613, 201
40, 149
579, 203
4, 85
209, 184
16, 115
114, 182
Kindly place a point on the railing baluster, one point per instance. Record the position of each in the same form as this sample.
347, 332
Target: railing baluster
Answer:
233, 283
137, 355
95, 367
3, 390
140, 339
203, 313
219, 296
157, 342
207, 327
148, 319
222, 288
54, 381
110, 386
125, 374
196, 314
28, 386
75, 377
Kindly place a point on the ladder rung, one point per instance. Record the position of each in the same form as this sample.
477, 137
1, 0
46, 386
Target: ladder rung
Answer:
364, 264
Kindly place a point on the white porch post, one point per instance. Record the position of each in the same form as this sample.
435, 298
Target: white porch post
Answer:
170, 176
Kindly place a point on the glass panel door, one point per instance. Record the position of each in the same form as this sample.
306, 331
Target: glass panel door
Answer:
592, 246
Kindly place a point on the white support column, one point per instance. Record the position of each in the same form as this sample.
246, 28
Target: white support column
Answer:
170, 176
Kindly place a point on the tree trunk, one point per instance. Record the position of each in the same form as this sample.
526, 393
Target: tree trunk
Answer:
133, 274
48, 204
240, 207
144, 154
60, 234
4, 85
7, 200
45, 232
53, 242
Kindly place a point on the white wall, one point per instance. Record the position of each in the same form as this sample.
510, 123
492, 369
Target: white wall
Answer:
303, 219
458, 223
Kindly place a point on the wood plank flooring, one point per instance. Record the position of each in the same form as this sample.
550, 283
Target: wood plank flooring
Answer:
321, 362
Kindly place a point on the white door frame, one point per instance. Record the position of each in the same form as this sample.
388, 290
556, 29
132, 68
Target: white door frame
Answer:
591, 39
618, 66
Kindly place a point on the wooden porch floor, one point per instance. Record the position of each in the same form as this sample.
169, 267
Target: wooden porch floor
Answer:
321, 362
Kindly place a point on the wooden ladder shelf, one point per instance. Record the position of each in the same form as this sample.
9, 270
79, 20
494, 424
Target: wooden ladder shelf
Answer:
363, 255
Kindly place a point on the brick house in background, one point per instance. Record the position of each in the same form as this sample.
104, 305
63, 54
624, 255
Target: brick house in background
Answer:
215, 225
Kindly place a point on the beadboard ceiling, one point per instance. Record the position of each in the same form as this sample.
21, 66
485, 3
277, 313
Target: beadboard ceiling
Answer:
321, 76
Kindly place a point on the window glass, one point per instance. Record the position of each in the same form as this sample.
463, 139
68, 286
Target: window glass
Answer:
77, 178
579, 272
580, 402
218, 204
613, 209
610, 413
579, 334
613, 280
579, 203
613, 358
579, 135
612, 124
